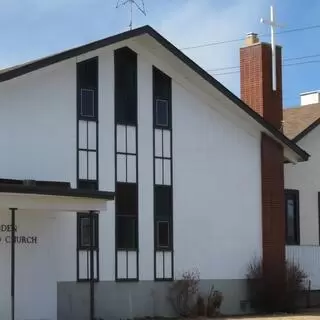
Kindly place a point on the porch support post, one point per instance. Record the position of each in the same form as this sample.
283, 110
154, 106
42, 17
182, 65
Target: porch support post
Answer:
92, 315
13, 252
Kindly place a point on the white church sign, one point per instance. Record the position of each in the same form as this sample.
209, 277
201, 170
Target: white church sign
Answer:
5, 229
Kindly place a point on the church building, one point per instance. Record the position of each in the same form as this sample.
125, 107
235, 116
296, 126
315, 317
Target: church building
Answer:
171, 172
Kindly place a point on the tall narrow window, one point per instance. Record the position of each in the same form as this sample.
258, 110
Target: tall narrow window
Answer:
84, 246
87, 129
126, 159
292, 217
87, 161
163, 205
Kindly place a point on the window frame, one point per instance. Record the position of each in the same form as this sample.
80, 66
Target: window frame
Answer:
292, 194
81, 216
81, 114
158, 245
157, 124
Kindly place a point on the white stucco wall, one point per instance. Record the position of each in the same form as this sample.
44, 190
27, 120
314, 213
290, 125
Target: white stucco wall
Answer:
38, 126
39, 265
305, 177
216, 176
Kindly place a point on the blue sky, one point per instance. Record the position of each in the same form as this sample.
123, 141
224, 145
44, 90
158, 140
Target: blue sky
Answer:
34, 28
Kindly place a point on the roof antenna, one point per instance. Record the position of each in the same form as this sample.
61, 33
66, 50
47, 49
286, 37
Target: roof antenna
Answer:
140, 7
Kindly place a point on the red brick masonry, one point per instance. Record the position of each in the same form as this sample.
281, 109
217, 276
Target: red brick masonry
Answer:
256, 91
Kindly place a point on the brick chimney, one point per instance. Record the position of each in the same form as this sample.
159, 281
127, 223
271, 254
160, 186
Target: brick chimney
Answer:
256, 79
257, 92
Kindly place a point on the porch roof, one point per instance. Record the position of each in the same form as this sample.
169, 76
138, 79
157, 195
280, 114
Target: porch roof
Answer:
54, 197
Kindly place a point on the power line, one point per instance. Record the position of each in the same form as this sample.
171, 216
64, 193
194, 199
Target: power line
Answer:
209, 44
285, 59
304, 62
303, 57
285, 65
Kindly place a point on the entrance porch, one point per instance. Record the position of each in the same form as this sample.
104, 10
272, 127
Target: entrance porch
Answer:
38, 242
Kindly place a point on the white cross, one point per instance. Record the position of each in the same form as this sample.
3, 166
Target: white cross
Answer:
273, 25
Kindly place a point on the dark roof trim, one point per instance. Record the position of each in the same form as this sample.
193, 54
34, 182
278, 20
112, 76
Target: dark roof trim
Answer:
38, 64
169, 46
51, 191
20, 70
303, 133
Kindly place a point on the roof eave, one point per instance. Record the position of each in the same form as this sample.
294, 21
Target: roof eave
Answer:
306, 131
32, 66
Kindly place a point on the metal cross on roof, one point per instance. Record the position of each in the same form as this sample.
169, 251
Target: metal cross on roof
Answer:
272, 23
139, 4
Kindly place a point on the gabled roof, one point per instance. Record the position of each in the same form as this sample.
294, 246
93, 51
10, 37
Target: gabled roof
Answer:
299, 121
20, 70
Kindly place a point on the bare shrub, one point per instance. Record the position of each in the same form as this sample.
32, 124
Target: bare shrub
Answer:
183, 293
201, 306
215, 299
266, 298
295, 284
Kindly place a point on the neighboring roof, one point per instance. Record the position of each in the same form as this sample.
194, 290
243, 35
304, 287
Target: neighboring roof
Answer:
20, 70
299, 121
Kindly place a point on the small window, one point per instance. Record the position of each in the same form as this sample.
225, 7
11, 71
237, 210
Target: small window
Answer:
162, 113
163, 238
292, 217
84, 231
87, 103
126, 232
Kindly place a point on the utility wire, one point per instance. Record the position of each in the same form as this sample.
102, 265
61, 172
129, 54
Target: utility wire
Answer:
285, 59
209, 44
285, 65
